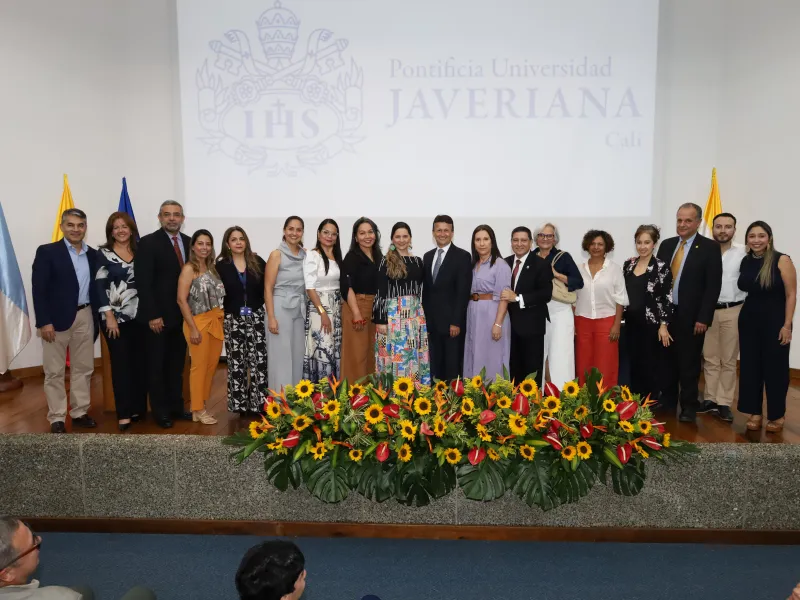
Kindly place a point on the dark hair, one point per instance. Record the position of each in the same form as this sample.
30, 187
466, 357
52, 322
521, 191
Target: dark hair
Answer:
194, 261
653, 231
337, 247
395, 265
597, 233
73, 212
226, 255
522, 229
495, 254
728, 215
289, 220
377, 255
269, 571
443, 219
126, 218
768, 261
696, 208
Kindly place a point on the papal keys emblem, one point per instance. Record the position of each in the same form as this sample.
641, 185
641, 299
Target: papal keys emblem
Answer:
280, 110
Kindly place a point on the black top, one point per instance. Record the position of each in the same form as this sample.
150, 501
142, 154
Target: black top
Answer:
410, 285
535, 284
767, 306
636, 285
358, 273
566, 266
235, 292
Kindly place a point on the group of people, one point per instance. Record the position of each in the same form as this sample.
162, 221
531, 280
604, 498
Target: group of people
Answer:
311, 313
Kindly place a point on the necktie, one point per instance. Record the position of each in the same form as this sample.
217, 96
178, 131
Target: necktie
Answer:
514, 274
177, 250
675, 267
438, 264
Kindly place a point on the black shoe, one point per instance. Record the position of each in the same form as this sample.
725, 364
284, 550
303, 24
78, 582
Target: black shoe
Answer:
164, 423
84, 421
688, 416
136, 418
707, 406
124, 426
725, 414
182, 416
58, 427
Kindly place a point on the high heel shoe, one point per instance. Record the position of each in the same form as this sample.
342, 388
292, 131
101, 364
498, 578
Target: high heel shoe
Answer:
776, 425
124, 426
754, 422
203, 417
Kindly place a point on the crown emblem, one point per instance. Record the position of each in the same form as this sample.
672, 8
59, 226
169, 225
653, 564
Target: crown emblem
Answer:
278, 31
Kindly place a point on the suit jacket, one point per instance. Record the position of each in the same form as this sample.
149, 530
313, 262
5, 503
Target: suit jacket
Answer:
55, 285
535, 284
701, 279
445, 302
157, 272
658, 307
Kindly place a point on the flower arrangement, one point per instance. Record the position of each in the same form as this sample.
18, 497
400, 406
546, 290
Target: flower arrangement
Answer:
390, 438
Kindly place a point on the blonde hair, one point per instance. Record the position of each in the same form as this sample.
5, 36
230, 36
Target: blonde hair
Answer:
766, 271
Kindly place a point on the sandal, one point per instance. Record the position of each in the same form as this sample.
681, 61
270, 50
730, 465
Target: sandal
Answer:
754, 422
776, 425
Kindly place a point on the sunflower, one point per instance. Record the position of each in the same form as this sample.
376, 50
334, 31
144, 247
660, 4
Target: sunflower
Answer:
626, 426
407, 429
273, 410
569, 452
374, 413
356, 455
545, 415
331, 407
625, 393
483, 432
355, 390
492, 453
438, 427
304, 389
552, 403
584, 450
665, 441
503, 402
571, 389
477, 381
452, 455
255, 430
301, 422
528, 387
645, 426
581, 412
404, 453
467, 406
318, 450
641, 451
527, 452
609, 406
517, 425
422, 406
403, 386
440, 386
278, 446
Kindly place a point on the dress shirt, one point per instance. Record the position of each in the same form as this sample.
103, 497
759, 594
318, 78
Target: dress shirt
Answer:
180, 243
523, 260
436, 255
599, 297
731, 261
315, 276
81, 263
686, 248
35, 591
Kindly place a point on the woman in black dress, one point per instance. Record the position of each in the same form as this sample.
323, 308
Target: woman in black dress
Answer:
765, 328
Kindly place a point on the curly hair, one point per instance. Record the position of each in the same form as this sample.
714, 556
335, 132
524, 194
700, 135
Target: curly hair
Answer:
592, 234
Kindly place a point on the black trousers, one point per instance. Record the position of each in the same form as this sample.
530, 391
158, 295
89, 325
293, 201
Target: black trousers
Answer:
764, 363
681, 365
645, 354
166, 356
447, 355
128, 368
527, 356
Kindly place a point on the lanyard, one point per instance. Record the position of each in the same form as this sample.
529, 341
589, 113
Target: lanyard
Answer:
243, 280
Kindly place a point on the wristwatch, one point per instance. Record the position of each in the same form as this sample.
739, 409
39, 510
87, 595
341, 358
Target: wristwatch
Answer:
516, 298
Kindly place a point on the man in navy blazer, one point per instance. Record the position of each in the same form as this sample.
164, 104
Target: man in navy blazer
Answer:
62, 282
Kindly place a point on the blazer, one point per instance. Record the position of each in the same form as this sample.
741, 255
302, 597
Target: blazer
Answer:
701, 279
234, 293
55, 286
535, 284
157, 272
658, 307
445, 302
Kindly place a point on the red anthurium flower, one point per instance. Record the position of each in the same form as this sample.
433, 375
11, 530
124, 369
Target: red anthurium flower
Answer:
487, 417
316, 398
321, 417
521, 404
382, 451
453, 417
624, 453
458, 387
392, 410
586, 430
552, 439
358, 401
659, 426
425, 429
651, 442
292, 439
626, 410
550, 389
476, 456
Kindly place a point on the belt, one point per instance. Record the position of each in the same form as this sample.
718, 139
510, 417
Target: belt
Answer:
728, 304
82, 306
476, 297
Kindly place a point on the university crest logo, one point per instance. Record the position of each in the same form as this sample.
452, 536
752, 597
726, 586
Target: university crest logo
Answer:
276, 109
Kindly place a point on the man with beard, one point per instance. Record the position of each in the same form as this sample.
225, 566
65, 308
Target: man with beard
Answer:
721, 346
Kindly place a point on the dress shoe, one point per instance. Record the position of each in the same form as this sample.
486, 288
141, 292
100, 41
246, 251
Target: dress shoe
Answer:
182, 416
725, 414
687, 416
84, 421
136, 418
707, 406
124, 426
58, 427
164, 423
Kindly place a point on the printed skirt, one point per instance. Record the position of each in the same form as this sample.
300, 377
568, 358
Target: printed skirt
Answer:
323, 350
403, 351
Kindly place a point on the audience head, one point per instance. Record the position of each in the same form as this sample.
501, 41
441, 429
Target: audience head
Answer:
760, 243
73, 225
443, 229
688, 219
366, 238
597, 243
171, 216
328, 237
646, 238
120, 228
201, 251
273, 570
236, 243
19, 552
484, 245
521, 240
293, 228
724, 228
546, 237
401, 244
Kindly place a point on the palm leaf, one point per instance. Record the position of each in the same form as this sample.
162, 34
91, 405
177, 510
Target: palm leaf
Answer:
484, 482
324, 480
531, 482
629, 480
283, 471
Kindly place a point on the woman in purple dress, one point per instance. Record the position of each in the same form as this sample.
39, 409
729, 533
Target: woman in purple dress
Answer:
488, 339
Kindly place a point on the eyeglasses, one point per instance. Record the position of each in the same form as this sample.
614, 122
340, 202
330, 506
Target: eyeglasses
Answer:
330, 233
546, 236
37, 543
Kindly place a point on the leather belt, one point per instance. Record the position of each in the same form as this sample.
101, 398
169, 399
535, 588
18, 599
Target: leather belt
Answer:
82, 306
721, 305
476, 297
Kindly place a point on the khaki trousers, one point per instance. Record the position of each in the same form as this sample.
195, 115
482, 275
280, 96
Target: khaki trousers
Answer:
720, 351
79, 338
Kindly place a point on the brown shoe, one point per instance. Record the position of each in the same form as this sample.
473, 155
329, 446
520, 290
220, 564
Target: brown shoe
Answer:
776, 425
754, 423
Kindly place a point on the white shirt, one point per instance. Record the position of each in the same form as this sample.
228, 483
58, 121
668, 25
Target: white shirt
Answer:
522, 260
314, 273
436, 255
600, 295
33, 591
731, 261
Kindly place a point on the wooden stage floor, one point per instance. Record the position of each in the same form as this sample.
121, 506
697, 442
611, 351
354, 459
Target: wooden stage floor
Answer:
25, 411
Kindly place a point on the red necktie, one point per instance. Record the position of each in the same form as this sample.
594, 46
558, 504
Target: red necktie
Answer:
177, 250
514, 274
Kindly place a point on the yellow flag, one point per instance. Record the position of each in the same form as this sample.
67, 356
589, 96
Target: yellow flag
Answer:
66, 202
713, 206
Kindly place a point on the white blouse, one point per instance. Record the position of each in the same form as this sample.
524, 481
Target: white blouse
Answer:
314, 272
600, 295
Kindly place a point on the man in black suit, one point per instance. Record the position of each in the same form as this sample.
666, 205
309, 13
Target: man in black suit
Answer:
445, 294
159, 261
696, 264
531, 290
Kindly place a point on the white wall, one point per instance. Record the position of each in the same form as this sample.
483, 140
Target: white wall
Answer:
90, 90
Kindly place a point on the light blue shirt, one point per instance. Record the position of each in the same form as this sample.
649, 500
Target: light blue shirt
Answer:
687, 247
81, 263
180, 243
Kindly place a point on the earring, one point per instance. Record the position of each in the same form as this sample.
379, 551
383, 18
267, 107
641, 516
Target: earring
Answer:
392, 247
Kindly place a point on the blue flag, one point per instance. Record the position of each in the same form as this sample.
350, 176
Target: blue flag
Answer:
16, 330
125, 201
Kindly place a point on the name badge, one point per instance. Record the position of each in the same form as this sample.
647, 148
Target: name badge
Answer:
245, 311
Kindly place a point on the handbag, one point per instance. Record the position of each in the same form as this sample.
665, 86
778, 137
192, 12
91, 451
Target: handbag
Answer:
561, 292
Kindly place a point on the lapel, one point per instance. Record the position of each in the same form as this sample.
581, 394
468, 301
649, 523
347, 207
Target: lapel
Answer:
694, 251
448, 257
167, 242
66, 260
523, 270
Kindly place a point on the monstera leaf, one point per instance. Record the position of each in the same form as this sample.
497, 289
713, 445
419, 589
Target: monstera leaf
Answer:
421, 479
531, 482
326, 479
371, 480
282, 471
483, 482
629, 480
247, 444
572, 485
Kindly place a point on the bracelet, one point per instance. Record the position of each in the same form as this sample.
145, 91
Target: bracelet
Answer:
496, 325
361, 322
789, 329
321, 310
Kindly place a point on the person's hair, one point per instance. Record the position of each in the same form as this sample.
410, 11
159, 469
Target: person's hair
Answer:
225, 253
73, 212
521, 229
194, 260
728, 215
377, 255
126, 218
495, 254
556, 236
443, 219
337, 247
269, 571
170, 203
597, 233
289, 220
651, 230
766, 270
8, 527
395, 265
696, 208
